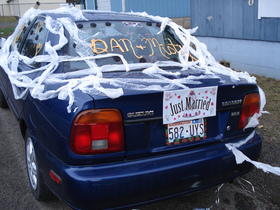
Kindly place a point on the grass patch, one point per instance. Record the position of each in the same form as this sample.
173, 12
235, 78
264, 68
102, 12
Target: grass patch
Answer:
5, 32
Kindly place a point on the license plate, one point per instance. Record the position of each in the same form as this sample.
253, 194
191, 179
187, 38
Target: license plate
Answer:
186, 131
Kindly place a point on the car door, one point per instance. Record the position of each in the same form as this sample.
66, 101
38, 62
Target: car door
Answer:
6, 84
29, 42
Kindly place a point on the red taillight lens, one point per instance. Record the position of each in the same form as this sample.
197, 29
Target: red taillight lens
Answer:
97, 132
251, 106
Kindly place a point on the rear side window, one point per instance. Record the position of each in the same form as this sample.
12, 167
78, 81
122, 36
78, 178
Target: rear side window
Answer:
20, 36
35, 39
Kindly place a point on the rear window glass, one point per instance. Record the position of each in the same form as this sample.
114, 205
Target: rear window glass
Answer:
137, 42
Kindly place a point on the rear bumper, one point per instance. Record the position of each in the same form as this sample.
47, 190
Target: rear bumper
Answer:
141, 181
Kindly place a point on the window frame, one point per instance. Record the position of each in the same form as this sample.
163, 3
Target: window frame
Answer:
30, 27
268, 9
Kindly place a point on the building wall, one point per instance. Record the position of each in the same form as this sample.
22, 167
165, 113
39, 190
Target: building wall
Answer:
177, 10
233, 19
257, 57
164, 8
104, 5
116, 5
44, 4
90, 4
233, 32
9, 9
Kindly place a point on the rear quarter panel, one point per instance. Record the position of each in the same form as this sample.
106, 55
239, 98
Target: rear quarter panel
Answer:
49, 123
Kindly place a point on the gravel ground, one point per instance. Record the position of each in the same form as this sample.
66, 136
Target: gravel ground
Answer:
268, 185
15, 192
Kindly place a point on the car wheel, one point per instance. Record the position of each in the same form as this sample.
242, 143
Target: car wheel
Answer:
37, 185
3, 102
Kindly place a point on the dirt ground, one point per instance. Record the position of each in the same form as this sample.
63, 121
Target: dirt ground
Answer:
268, 185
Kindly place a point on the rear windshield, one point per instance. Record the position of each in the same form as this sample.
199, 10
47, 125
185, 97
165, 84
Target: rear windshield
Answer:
137, 42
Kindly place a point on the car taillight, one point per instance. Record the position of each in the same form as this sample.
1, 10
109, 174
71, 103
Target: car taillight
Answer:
251, 106
97, 131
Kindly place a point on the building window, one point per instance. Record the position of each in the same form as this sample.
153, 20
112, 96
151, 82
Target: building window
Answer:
269, 8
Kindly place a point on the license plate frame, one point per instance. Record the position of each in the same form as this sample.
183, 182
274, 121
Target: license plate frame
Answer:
186, 131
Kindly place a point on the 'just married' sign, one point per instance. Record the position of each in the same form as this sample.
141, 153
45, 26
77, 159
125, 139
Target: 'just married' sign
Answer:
189, 104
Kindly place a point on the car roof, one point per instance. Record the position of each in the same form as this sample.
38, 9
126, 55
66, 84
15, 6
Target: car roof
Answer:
91, 15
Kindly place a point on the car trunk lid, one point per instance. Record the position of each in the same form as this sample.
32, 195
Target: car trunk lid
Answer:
147, 135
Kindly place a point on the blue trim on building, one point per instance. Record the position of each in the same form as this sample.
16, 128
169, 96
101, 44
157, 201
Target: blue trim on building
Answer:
116, 5
164, 8
90, 4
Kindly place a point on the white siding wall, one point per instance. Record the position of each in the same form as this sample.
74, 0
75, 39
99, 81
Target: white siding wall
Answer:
269, 8
11, 9
104, 5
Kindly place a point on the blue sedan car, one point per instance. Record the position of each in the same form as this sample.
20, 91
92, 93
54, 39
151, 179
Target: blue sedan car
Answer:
120, 110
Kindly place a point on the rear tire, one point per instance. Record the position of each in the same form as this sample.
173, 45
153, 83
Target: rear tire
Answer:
37, 185
3, 102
